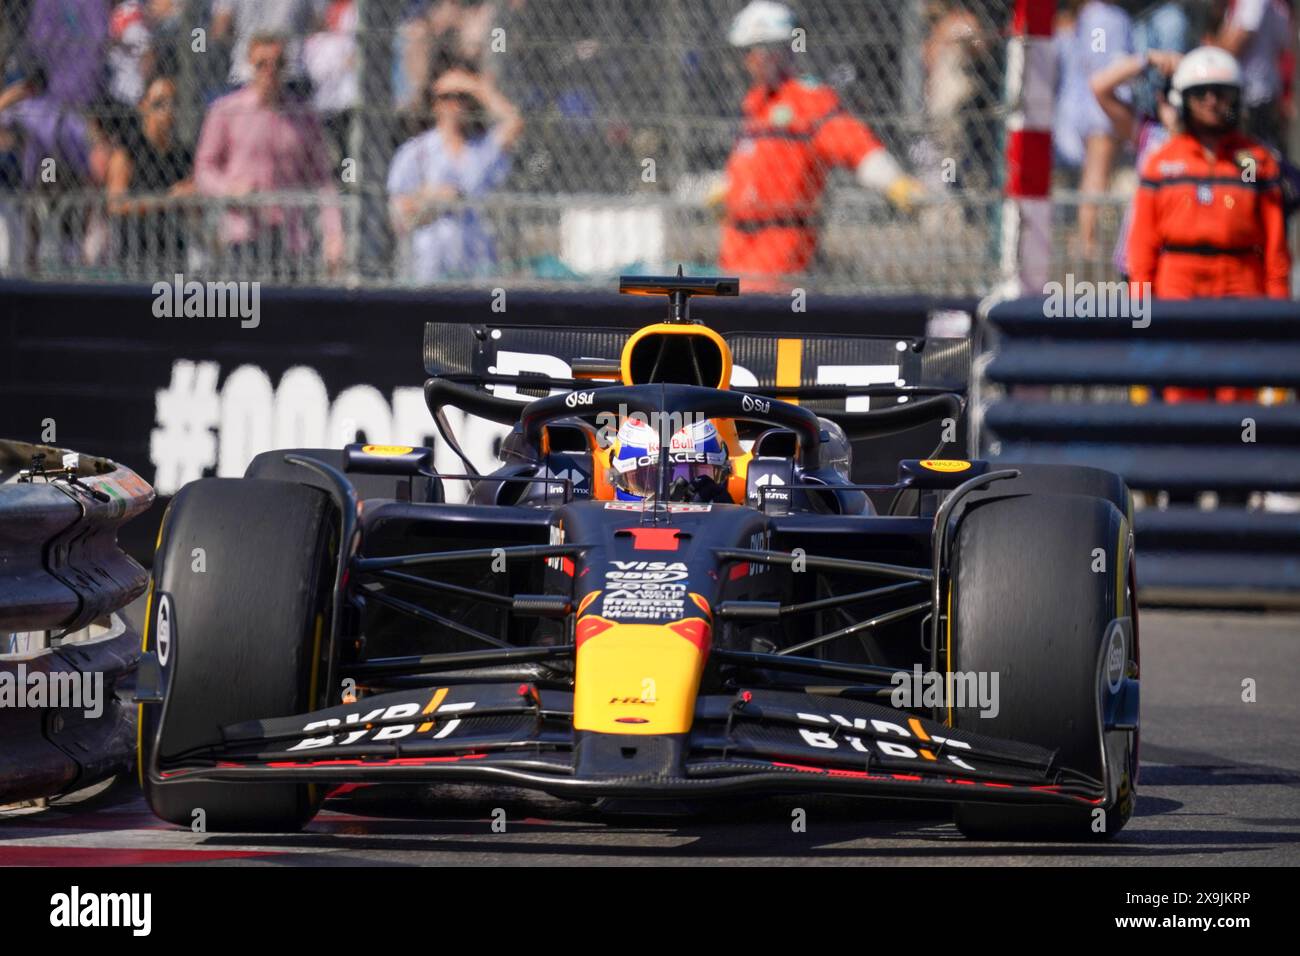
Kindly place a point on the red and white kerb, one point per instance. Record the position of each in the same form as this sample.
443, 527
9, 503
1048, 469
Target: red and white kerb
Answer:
1030, 92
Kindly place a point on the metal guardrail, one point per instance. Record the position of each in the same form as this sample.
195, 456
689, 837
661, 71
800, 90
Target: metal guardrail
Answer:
574, 240
64, 645
1032, 408
580, 240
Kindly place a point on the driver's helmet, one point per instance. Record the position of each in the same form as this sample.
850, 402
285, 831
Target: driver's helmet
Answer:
837, 451
695, 452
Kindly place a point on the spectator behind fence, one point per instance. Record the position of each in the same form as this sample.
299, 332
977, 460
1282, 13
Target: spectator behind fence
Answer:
1166, 26
141, 46
435, 32
54, 136
956, 97
54, 160
1145, 132
259, 139
87, 225
331, 60
1258, 33
465, 156
146, 171
1089, 36
128, 51
67, 39
243, 20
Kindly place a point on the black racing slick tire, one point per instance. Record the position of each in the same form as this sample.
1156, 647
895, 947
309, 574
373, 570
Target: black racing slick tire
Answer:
1068, 480
1036, 479
1035, 582
239, 605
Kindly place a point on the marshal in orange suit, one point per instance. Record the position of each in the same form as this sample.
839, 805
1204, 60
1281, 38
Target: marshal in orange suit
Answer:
1208, 219
795, 132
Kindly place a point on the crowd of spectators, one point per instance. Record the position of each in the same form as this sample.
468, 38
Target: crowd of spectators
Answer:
137, 140
94, 138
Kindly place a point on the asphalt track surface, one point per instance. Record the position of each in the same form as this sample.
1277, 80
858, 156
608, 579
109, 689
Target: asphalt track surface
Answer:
1220, 786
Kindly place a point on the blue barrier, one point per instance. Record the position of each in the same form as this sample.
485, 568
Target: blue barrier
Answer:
1149, 362
1199, 423
1037, 401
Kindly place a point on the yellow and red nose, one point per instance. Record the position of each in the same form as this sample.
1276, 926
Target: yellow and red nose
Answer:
638, 678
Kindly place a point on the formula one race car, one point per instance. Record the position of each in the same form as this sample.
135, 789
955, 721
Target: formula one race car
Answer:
671, 589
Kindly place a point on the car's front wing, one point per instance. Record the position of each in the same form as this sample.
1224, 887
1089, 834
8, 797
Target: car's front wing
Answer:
750, 741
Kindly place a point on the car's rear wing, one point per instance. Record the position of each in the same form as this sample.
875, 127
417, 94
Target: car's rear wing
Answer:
871, 385
831, 371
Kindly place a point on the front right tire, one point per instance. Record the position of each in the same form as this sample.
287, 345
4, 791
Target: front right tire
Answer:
1036, 580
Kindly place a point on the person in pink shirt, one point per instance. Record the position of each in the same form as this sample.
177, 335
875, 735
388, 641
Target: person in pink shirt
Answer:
258, 139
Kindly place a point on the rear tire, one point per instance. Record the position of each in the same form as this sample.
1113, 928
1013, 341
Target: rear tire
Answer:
247, 632
1028, 605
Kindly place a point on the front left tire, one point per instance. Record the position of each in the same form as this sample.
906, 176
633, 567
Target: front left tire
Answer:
243, 574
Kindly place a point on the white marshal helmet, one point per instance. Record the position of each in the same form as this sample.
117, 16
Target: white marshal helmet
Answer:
1204, 66
762, 21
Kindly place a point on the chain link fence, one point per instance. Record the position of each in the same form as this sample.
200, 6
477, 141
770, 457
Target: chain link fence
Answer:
595, 136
